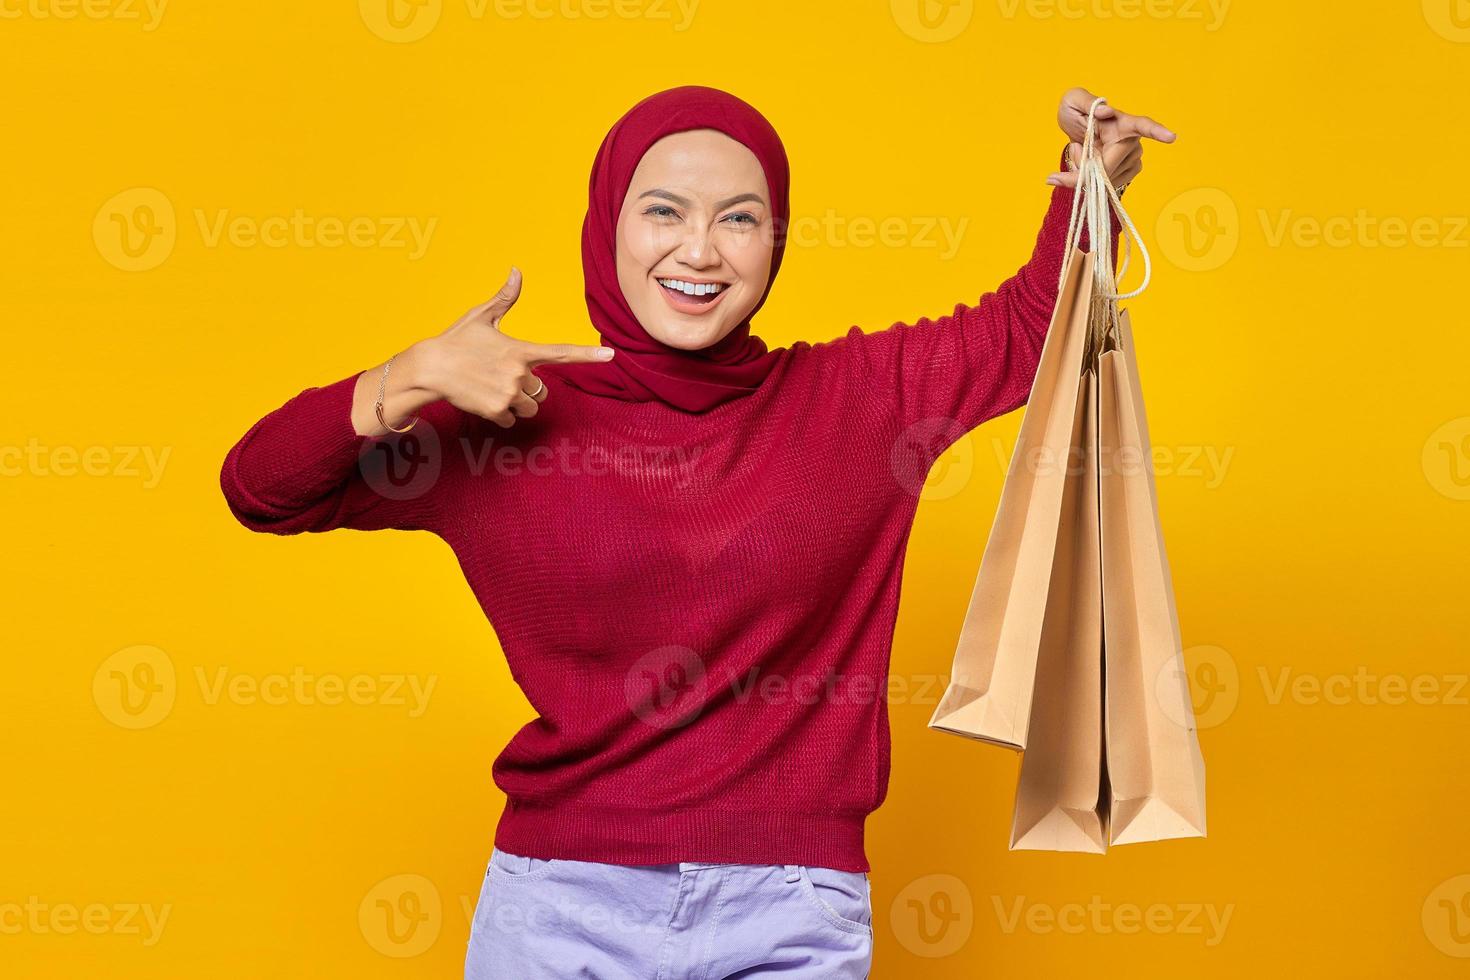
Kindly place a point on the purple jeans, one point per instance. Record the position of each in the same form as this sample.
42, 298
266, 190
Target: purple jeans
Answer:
554, 919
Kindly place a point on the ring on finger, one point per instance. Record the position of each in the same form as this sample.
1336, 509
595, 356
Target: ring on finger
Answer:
540, 390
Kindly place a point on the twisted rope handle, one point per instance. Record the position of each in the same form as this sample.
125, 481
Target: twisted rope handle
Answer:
1094, 196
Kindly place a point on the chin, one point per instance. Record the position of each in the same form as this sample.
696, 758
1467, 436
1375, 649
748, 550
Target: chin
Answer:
686, 336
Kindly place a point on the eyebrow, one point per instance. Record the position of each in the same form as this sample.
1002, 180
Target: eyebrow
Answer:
684, 202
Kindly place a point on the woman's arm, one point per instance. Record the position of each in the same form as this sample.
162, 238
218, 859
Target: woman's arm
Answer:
308, 465
324, 459
979, 361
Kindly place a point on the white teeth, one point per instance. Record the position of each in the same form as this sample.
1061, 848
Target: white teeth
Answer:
693, 288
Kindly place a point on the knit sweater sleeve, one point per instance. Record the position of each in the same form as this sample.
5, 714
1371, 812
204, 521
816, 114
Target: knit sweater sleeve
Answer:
978, 362
303, 467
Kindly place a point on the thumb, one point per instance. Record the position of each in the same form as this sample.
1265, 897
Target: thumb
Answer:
505, 297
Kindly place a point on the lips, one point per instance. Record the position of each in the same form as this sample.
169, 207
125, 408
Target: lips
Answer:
690, 295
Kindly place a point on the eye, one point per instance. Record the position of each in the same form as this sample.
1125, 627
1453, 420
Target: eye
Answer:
661, 211
742, 218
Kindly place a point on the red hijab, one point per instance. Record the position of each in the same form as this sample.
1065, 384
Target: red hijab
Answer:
645, 369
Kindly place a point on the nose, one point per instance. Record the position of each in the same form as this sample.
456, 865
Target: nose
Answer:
697, 251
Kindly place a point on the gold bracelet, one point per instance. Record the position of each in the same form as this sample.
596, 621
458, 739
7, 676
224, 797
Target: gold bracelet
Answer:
382, 388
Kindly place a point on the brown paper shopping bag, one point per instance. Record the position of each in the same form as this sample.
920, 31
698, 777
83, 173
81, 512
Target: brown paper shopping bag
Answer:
1060, 800
1071, 648
990, 686
1155, 768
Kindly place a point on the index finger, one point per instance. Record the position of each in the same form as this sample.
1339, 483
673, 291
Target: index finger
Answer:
1131, 125
566, 354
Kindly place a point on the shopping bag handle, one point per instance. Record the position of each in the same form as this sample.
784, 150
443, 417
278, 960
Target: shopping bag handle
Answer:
1095, 194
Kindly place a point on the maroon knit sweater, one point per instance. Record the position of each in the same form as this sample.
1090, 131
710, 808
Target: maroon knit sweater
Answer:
700, 607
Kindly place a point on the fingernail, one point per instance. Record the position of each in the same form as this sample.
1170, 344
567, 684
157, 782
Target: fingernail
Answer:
1053, 182
606, 353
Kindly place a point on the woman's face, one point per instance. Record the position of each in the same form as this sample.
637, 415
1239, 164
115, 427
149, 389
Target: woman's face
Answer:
695, 238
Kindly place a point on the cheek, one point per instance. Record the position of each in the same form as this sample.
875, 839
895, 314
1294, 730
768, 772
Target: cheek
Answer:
641, 246
750, 257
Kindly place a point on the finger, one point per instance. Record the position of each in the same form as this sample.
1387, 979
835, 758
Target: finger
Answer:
534, 387
523, 406
1119, 150
1116, 158
500, 304
565, 354
490, 410
1126, 169
1130, 125
1127, 173
1119, 155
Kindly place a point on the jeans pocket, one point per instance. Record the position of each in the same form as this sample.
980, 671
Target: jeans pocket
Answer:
505, 866
841, 897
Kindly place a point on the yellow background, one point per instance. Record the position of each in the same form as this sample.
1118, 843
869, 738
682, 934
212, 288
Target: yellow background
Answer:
1291, 332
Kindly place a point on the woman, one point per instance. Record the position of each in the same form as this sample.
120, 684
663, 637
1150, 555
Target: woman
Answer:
689, 547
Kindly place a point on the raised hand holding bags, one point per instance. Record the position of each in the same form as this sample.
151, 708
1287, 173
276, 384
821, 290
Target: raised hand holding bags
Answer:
1071, 646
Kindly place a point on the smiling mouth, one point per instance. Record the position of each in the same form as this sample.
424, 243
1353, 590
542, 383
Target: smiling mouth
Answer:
688, 296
